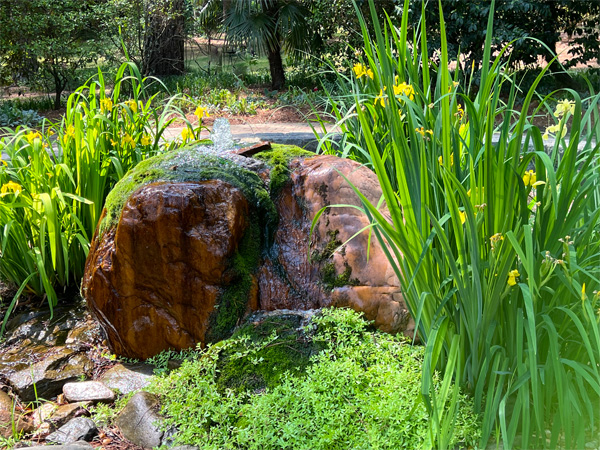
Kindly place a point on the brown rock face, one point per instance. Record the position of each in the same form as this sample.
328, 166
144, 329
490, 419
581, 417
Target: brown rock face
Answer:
12, 417
188, 259
154, 279
343, 278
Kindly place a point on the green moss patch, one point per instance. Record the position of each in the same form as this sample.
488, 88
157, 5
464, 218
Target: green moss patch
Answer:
280, 349
331, 279
234, 300
278, 159
190, 164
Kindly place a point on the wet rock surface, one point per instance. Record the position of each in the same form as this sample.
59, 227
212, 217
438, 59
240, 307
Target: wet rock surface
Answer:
47, 352
175, 267
126, 378
156, 289
45, 379
58, 415
139, 421
73, 446
88, 391
77, 429
347, 277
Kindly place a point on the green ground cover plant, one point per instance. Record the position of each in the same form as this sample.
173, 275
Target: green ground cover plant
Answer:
358, 390
12, 115
495, 243
54, 183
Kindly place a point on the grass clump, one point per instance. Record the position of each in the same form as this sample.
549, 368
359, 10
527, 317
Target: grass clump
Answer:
359, 389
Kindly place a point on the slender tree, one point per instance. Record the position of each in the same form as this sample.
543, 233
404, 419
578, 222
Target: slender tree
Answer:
46, 42
268, 26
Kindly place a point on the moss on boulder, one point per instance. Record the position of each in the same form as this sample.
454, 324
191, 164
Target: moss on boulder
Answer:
188, 164
201, 163
278, 159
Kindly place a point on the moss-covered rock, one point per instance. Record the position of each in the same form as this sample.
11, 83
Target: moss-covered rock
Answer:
278, 159
189, 164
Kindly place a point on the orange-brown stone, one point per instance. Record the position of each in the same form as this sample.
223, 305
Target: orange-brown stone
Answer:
373, 287
154, 279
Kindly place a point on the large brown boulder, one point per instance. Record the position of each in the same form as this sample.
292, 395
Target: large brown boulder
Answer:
189, 243
346, 277
154, 279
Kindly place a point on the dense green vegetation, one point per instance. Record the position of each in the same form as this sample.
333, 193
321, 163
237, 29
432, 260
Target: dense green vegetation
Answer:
496, 244
333, 385
493, 233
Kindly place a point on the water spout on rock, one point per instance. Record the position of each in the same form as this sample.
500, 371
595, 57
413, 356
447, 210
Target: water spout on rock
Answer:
221, 135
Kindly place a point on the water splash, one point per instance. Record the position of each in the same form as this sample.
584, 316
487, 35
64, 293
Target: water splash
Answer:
221, 135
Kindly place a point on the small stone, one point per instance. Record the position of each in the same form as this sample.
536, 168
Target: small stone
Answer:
43, 413
22, 423
185, 447
139, 421
77, 429
84, 391
127, 378
58, 414
79, 445
64, 413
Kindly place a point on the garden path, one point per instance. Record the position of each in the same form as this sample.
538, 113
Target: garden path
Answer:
290, 133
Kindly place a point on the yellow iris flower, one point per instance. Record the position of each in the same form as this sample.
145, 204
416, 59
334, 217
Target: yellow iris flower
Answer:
512, 277
201, 112
32, 136
422, 131
186, 134
404, 89
529, 178
380, 99
11, 186
127, 139
132, 104
106, 105
564, 107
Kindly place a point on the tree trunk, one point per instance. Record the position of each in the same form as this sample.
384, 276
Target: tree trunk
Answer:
226, 8
276, 68
59, 86
164, 41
